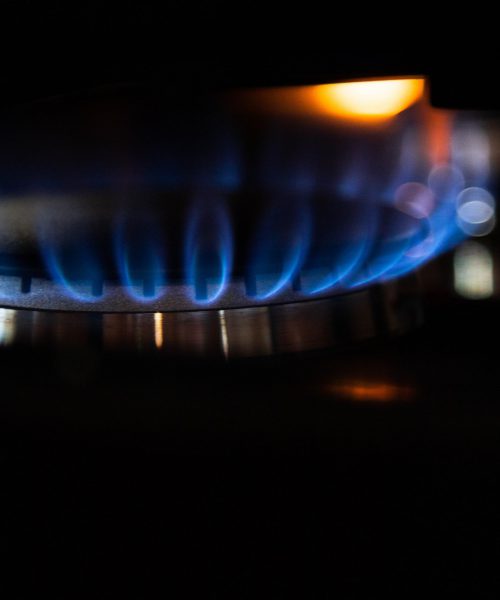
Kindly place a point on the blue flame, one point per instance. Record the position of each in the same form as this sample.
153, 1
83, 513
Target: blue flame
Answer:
139, 254
320, 219
76, 267
342, 237
442, 235
279, 249
208, 252
343, 262
387, 251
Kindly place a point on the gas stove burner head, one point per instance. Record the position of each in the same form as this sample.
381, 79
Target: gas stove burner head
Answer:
228, 334
90, 260
158, 200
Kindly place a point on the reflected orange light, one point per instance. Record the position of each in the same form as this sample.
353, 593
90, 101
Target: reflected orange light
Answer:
438, 130
372, 392
369, 100
158, 323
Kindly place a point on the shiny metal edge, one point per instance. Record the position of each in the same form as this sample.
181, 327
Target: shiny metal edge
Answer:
225, 333
44, 294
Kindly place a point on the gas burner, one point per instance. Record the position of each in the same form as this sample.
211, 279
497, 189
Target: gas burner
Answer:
231, 333
125, 265
231, 213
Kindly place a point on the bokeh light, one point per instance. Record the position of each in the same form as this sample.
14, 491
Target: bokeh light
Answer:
476, 211
473, 271
471, 152
414, 199
7, 326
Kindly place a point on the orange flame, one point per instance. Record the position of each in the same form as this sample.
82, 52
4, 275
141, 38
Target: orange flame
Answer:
368, 100
355, 101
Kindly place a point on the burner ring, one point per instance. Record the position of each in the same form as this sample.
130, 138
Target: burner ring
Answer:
354, 244
264, 330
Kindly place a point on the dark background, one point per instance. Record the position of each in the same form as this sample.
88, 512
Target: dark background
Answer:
48, 48
125, 474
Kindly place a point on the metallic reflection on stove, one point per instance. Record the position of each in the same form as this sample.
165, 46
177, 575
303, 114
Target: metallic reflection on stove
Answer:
372, 391
7, 326
224, 334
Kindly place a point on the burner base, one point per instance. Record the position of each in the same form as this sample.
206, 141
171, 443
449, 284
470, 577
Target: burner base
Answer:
380, 310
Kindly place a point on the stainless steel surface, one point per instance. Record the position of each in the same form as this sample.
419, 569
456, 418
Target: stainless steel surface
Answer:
228, 333
43, 294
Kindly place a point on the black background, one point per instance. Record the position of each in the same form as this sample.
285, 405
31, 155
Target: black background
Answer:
48, 48
130, 474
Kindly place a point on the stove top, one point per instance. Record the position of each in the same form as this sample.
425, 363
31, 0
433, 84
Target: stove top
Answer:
135, 455
378, 448
143, 207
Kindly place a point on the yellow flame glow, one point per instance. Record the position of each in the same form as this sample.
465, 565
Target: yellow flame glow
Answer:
368, 100
362, 102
